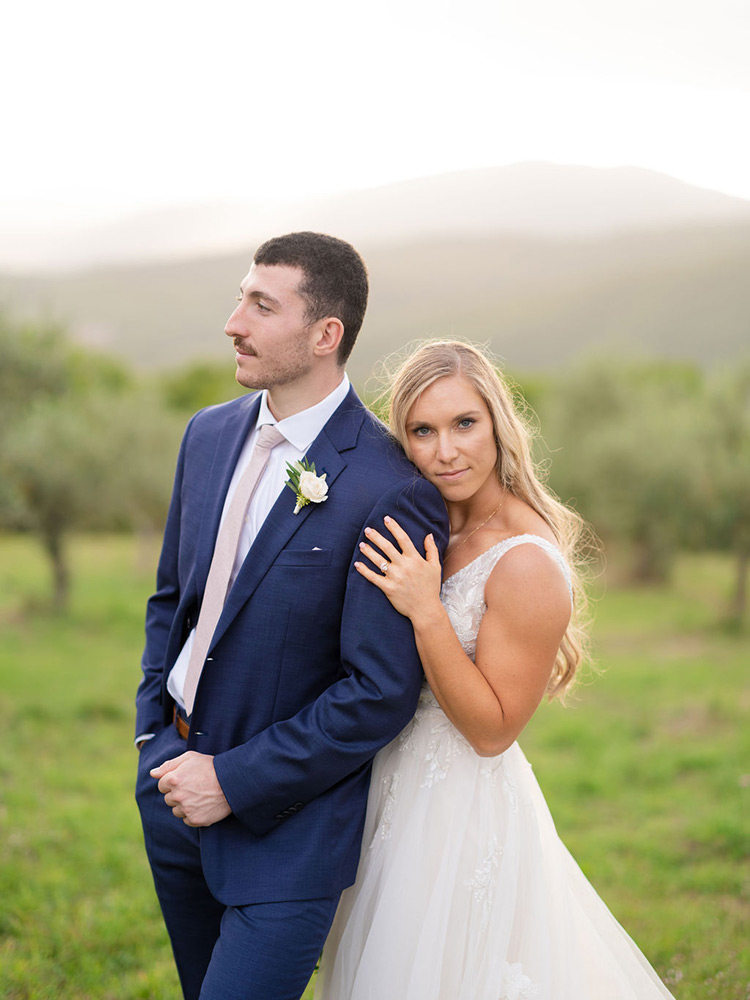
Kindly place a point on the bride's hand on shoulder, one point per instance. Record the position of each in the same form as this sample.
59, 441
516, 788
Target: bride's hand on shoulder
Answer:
410, 581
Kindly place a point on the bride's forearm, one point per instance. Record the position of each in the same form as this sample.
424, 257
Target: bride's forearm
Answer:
462, 690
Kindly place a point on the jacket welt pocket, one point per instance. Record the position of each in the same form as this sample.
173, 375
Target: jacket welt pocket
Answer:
304, 557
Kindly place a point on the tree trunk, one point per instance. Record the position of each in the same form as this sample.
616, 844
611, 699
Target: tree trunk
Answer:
54, 544
652, 561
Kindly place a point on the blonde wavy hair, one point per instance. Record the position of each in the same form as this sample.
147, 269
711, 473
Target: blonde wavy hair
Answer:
516, 470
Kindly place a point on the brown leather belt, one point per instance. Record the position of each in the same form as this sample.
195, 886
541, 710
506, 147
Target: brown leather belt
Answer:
182, 727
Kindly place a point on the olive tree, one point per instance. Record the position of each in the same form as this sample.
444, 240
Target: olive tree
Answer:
82, 447
622, 440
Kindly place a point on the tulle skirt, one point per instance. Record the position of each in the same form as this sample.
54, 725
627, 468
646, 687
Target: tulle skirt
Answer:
465, 891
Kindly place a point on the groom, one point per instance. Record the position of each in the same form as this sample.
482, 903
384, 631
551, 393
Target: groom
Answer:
273, 671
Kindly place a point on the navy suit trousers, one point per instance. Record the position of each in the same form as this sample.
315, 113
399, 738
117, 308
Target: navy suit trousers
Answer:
264, 951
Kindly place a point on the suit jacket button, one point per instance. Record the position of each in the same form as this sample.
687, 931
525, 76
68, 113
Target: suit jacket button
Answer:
297, 806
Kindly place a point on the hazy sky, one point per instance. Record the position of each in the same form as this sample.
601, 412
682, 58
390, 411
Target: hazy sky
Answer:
111, 107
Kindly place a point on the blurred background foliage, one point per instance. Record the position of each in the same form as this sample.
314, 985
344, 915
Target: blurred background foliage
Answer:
655, 454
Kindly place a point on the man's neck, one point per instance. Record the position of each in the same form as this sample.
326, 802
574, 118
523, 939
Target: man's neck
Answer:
286, 400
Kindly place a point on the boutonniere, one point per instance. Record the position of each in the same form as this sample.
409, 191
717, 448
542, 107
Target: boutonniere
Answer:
307, 487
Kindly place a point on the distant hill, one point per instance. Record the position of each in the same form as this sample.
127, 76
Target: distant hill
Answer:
680, 294
543, 262
532, 199
539, 304
536, 199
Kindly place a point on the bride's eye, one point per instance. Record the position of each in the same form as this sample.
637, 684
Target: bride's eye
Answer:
466, 422
421, 432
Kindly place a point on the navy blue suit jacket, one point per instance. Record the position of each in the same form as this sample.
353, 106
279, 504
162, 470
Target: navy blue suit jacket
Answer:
310, 670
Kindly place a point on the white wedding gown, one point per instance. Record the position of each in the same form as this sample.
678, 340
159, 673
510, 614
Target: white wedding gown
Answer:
464, 890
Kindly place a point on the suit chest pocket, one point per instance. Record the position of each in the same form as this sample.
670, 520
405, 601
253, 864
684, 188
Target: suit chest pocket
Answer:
311, 558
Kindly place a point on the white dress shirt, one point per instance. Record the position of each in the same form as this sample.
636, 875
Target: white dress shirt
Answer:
300, 430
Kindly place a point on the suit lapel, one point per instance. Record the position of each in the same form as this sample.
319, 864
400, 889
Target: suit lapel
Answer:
338, 435
228, 447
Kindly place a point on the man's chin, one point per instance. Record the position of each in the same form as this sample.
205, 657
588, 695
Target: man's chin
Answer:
243, 379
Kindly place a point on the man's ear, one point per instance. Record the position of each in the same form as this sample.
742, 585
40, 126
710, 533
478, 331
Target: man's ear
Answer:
329, 332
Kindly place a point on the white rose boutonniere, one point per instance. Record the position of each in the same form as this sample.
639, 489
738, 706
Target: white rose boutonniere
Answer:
307, 487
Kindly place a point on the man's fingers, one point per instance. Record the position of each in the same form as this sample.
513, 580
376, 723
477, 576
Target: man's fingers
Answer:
166, 766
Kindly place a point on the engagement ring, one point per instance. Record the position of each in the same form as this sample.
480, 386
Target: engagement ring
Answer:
384, 568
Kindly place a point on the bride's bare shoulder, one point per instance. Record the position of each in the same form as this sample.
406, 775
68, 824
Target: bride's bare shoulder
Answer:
529, 579
518, 518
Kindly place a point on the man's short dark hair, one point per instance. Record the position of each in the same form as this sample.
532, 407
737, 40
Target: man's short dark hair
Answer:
335, 282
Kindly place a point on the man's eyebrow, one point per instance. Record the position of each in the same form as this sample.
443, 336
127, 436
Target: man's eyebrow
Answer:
261, 295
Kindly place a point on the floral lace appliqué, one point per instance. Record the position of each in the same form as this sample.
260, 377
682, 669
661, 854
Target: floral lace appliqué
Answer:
446, 744
491, 770
407, 740
390, 784
483, 881
516, 985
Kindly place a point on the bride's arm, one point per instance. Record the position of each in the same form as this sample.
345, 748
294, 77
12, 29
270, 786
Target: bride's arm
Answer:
528, 608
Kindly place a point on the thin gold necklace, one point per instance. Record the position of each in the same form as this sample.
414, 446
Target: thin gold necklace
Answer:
495, 511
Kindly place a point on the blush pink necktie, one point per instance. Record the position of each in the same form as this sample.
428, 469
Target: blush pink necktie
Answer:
225, 551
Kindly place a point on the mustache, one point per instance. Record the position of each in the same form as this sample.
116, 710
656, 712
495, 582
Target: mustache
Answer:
239, 345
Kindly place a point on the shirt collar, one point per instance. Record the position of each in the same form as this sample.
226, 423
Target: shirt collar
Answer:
302, 428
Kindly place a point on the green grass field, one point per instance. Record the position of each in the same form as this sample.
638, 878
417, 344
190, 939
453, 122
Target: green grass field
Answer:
647, 774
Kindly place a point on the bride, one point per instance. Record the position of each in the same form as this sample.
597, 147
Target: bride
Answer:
464, 890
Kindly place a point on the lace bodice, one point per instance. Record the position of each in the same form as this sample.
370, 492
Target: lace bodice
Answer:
462, 594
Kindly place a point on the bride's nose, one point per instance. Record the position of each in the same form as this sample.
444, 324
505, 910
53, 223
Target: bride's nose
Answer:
446, 448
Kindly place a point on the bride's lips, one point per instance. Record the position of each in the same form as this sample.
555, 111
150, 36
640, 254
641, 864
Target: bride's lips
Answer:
453, 476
